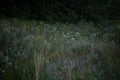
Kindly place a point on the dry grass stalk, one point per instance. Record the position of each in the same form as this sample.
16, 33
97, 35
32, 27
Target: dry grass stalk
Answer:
37, 61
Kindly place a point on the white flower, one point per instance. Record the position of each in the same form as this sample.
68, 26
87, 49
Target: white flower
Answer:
73, 38
10, 63
3, 71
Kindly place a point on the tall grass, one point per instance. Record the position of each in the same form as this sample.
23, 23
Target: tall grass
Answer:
40, 51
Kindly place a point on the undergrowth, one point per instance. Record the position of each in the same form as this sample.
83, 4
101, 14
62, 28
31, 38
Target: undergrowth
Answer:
32, 50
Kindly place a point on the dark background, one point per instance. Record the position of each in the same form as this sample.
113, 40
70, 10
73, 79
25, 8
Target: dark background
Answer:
61, 10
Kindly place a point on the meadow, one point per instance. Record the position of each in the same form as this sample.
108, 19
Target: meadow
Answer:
37, 50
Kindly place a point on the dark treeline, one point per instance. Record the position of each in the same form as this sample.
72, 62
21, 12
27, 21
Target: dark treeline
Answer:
61, 10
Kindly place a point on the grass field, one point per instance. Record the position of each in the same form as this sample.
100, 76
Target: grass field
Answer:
36, 50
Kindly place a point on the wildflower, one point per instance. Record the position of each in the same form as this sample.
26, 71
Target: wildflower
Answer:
3, 71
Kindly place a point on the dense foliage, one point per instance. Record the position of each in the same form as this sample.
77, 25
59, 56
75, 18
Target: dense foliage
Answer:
32, 50
59, 40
